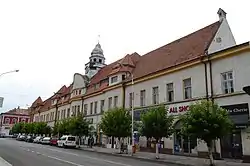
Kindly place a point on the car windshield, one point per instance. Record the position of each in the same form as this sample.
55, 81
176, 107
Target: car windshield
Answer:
71, 138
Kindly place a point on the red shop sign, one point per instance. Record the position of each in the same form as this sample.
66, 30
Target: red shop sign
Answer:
180, 109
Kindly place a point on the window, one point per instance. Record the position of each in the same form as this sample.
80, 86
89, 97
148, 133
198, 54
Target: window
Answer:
170, 92
80, 91
142, 98
100, 61
14, 121
131, 99
155, 95
114, 79
78, 110
227, 82
6, 120
91, 108
47, 117
115, 101
102, 106
85, 109
110, 103
94, 60
123, 77
95, 109
58, 115
187, 88
68, 112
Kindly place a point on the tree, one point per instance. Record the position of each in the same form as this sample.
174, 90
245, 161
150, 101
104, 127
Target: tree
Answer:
16, 129
208, 122
63, 127
156, 123
29, 128
78, 126
116, 123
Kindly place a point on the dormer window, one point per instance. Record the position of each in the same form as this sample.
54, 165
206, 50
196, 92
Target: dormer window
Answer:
114, 79
123, 77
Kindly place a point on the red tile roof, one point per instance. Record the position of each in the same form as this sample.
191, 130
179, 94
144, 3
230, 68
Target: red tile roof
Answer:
37, 102
177, 52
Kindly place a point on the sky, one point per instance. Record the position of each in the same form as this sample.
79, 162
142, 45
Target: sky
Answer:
50, 40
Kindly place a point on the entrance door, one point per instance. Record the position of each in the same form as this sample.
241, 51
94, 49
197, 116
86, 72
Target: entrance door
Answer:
231, 145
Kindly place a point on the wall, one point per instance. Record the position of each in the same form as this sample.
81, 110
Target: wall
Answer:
196, 73
223, 38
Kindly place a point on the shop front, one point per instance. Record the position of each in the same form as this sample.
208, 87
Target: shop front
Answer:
231, 145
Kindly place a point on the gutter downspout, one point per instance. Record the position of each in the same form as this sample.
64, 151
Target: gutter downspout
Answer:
82, 104
206, 81
123, 95
212, 90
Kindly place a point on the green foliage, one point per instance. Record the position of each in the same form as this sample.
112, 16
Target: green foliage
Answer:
17, 128
63, 127
116, 122
206, 121
31, 128
78, 126
156, 123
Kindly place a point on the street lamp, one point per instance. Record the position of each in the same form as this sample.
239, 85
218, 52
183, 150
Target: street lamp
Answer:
12, 71
132, 112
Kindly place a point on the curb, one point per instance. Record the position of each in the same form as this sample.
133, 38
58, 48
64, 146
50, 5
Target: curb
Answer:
137, 158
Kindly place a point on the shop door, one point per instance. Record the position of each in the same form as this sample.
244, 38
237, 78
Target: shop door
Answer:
231, 145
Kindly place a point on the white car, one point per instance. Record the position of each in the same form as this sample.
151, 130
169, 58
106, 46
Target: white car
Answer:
67, 141
37, 139
46, 140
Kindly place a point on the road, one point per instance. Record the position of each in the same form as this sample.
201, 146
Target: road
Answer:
28, 154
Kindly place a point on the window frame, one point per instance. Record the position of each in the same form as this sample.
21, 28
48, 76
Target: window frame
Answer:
143, 98
229, 89
114, 79
155, 96
169, 91
187, 88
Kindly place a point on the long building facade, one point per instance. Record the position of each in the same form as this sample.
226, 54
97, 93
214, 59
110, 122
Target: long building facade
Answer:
206, 64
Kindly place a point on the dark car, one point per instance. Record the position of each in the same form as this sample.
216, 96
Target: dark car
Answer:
53, 141
29, 138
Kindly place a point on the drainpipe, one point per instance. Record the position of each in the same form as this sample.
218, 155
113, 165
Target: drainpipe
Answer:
206, 83
82, 104
211, 86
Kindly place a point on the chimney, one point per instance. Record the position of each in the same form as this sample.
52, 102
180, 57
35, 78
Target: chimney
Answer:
222, 14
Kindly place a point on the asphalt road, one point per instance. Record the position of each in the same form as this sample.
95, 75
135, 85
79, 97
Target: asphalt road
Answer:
28, 154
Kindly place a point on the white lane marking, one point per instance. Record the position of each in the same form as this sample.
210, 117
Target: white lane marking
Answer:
65, 161
4, 162
93, 158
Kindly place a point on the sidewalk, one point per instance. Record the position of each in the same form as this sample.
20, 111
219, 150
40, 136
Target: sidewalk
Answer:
164, 158
3, 162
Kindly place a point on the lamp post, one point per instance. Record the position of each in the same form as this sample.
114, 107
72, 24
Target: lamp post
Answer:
12, 71
132, 113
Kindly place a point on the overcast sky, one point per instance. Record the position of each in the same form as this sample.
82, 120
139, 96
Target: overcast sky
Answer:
50, 40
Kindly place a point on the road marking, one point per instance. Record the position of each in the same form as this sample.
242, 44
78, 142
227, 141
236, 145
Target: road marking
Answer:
4, 162
93, 158
65, 161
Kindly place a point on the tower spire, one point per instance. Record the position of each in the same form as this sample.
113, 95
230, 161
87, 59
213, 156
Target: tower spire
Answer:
98, 39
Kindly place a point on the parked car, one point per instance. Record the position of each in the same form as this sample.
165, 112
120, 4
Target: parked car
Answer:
53, 141
14, 135
67, 141
21, 138
37, 139
29, 138
46, 140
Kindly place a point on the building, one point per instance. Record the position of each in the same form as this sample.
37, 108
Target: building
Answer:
8, 119
206, 64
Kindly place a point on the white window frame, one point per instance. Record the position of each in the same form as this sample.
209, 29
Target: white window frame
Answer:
169, 90
114, 79
143, 98
102, 106
6, 119
187, 88
115, 101
109, 102
155, 95
15, 120
91, 108
227, 82
85, 109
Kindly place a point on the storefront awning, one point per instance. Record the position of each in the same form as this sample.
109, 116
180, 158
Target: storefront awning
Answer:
247, 89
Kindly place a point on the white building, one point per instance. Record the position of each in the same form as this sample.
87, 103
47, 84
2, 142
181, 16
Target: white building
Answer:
204, 64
